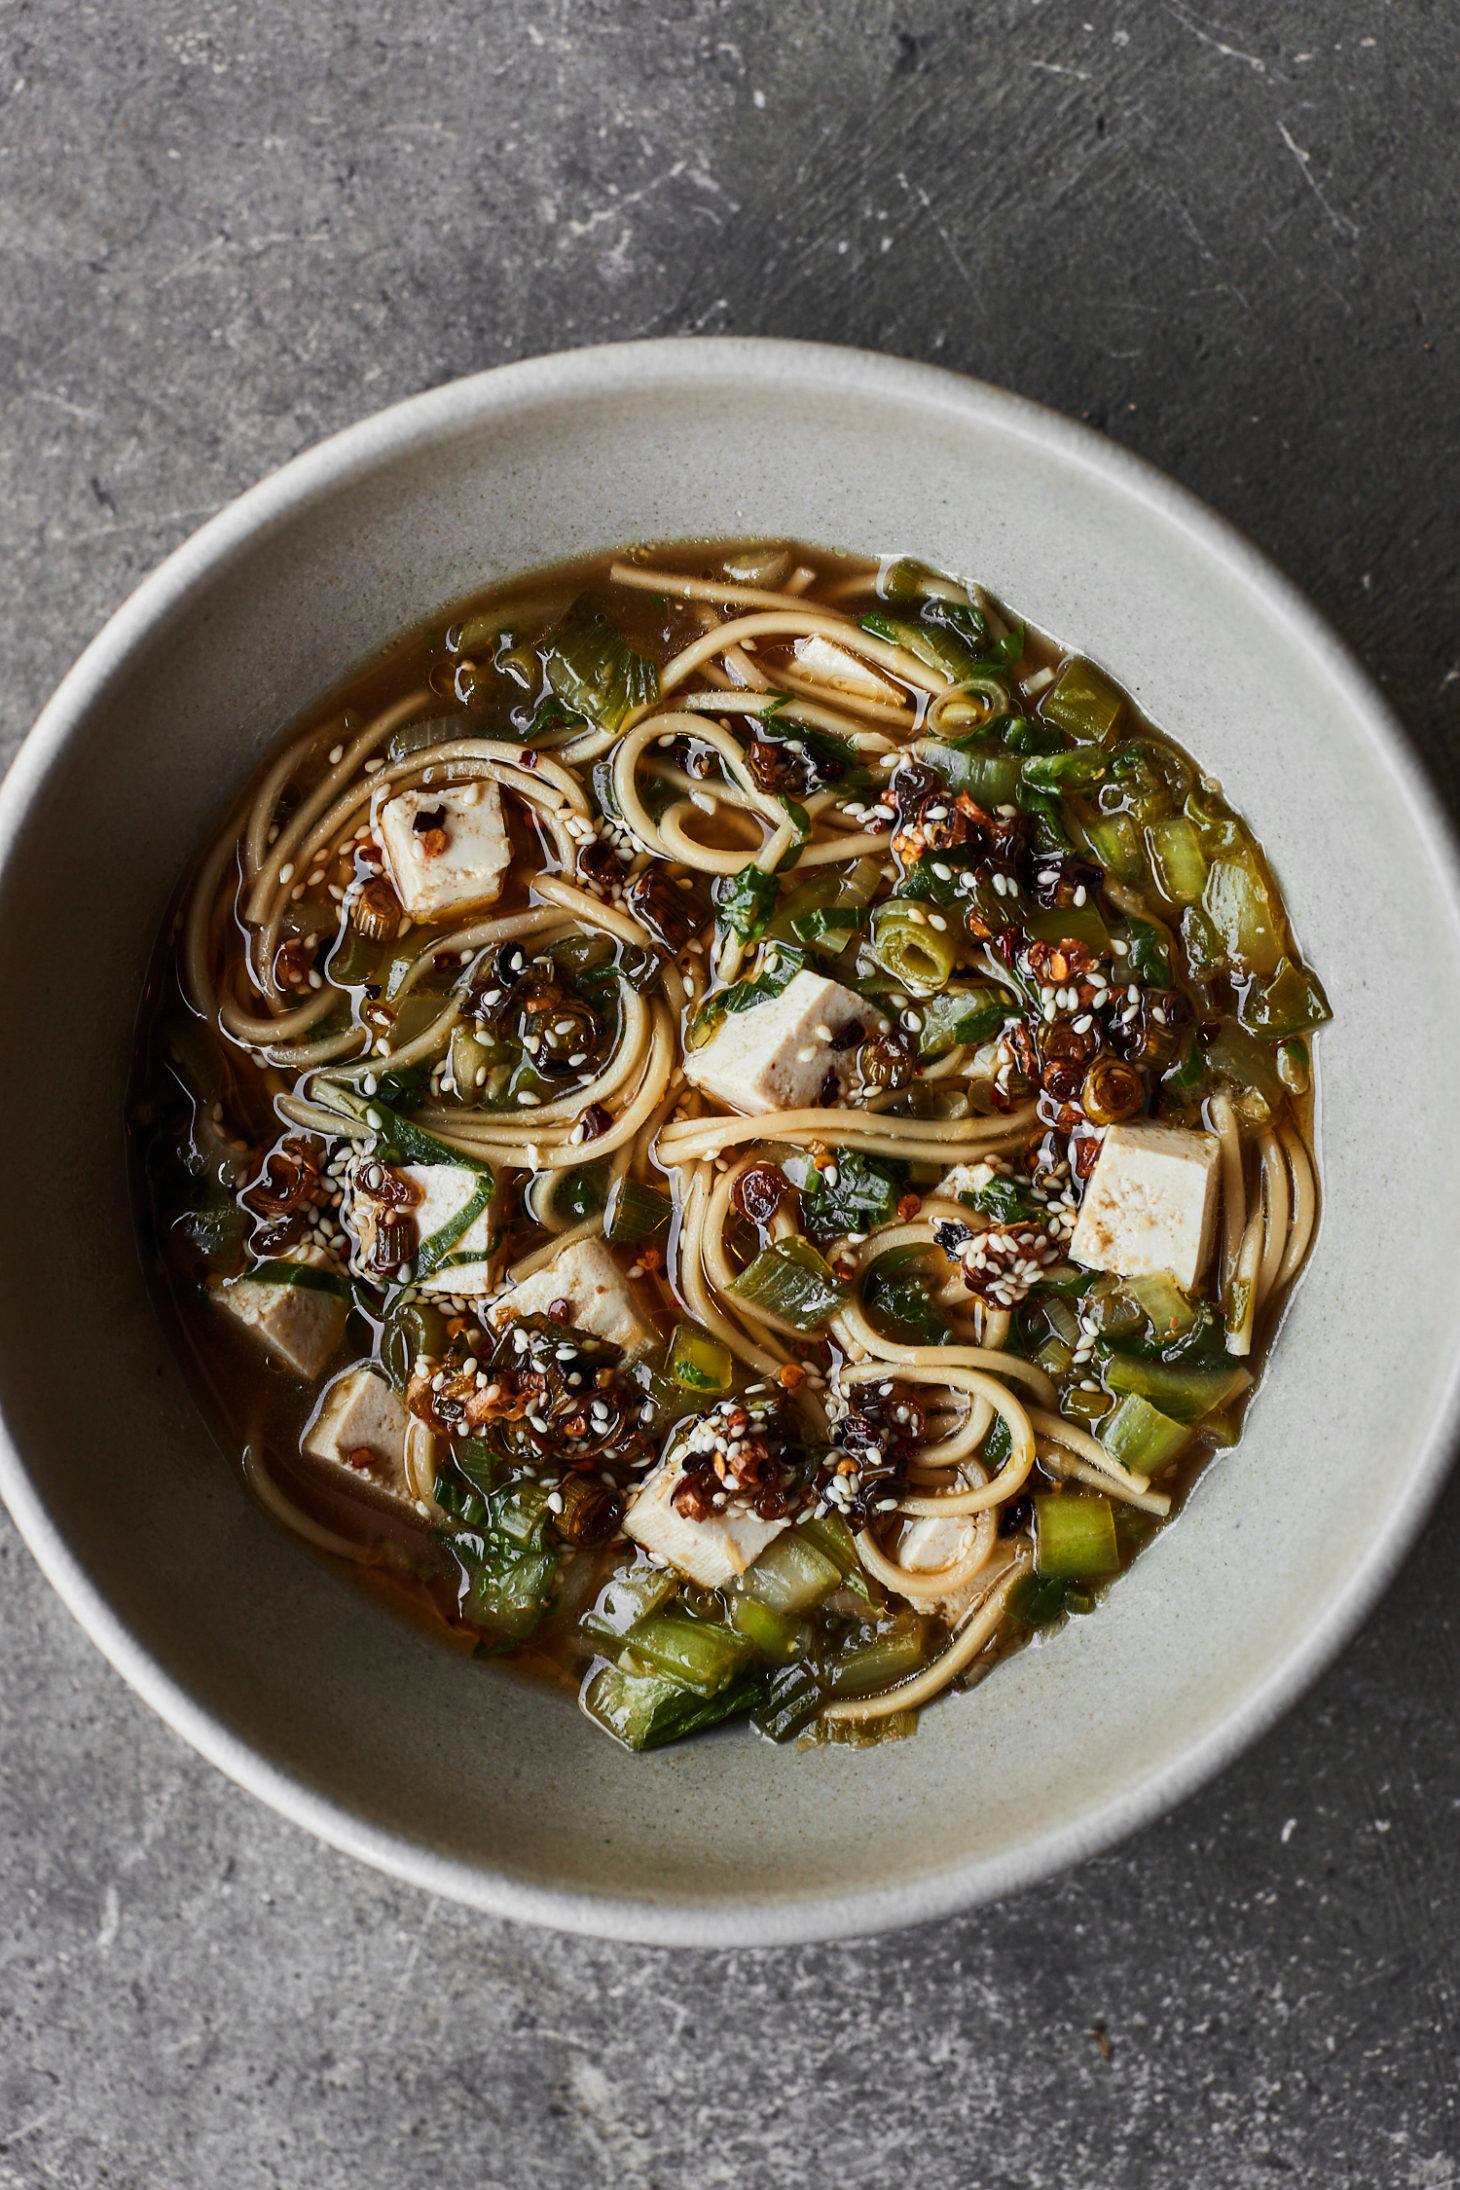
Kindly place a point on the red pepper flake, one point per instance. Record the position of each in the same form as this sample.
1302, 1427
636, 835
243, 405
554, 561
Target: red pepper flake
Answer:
790, 1376
362, 1459
529, 756
908, 1207
1086, 1154
560, 1310
596, 1120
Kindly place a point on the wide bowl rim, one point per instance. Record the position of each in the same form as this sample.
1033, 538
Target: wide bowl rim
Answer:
385, 436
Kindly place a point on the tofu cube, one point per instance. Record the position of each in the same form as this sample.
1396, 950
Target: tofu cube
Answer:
444, 1190
1151, 1204
599, 1297
709, 1552
940, 1540
446, 848
361, 1427
301, 1320
833, 664
777, 1055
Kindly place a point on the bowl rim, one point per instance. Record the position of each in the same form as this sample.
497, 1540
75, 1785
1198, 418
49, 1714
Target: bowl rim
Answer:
623, 368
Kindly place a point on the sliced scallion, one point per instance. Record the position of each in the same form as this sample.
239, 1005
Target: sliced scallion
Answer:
638, 1212
1084, 702
1141, 1438
791, 1574
901, 943
701, 1654
699, 1363
793, 1283
1074, 1537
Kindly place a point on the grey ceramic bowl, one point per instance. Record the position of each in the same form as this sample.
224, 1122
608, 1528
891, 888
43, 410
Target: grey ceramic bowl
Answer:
461, 1778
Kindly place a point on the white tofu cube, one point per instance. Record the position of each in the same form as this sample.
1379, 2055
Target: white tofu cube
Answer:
446, 848
777, 1055
361, 1427
1151, 1204
444, 1191
300, 1318
940, 1540
709, 1552
833, 664
599, 1297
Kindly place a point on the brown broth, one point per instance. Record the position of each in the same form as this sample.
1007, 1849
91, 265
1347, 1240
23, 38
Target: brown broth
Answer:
203, 1119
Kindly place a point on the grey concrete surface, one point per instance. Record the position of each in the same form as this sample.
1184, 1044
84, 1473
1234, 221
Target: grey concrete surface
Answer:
1225, 233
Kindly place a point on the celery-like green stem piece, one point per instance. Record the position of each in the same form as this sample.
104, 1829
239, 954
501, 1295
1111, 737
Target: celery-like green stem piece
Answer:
649, 1710
1178, 859
792, 1282
698, 1652
699, 1362
1291, 1003
791, 1574
1074, 1537
773, 1634
639, 1212
1184, 1394
877, 1664
1237, 902
1141, 1438
1084, 702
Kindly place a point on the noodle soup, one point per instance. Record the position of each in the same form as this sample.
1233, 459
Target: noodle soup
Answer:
730, 1124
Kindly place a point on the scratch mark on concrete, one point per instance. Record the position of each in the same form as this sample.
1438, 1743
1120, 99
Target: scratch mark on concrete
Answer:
916, 190
111, 1921
1208, 37
28, 2129
85, 412
1304, 159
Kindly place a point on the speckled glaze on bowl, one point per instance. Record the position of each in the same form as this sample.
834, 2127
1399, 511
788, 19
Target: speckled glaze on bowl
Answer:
473, 1783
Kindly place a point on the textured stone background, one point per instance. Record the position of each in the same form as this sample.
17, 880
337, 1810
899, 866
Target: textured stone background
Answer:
1230, 243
